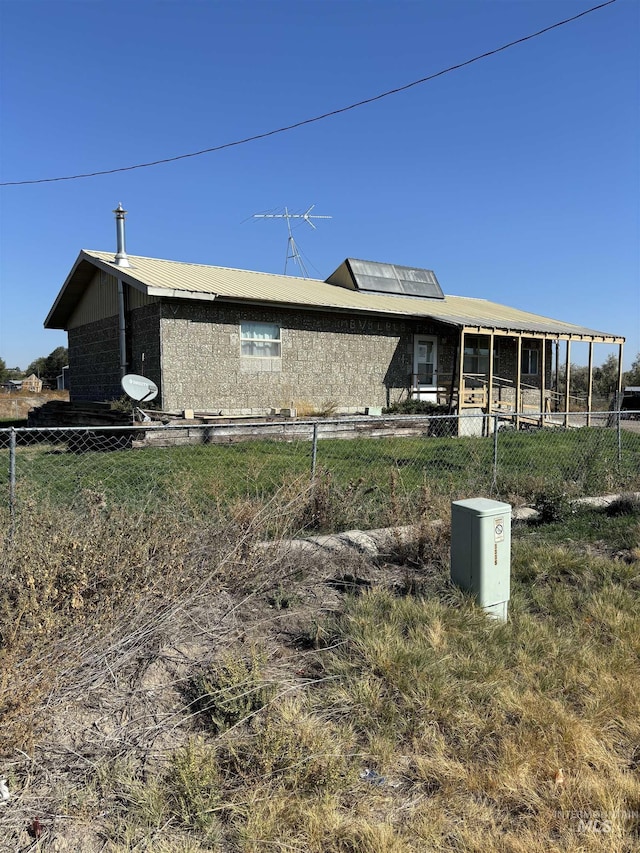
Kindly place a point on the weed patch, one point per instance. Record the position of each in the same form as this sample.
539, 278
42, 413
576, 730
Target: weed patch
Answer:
229, 691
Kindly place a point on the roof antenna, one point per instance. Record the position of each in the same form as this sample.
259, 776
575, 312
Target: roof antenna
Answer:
293, 252
121, 258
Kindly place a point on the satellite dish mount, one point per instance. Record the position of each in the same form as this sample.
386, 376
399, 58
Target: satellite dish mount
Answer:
140, 389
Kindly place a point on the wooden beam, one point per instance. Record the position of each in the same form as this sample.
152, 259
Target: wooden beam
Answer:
543, 378
461, 374
620, 373
556, 402
518, 380
590, 387
567, 379
553, 336
490, 382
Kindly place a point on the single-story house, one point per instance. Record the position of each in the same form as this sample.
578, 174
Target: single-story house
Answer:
234, 341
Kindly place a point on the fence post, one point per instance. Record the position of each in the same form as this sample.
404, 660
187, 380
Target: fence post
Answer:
495, 452
619, 427
12, 478
314, 451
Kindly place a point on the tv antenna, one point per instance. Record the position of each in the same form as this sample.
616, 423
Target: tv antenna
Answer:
293, 253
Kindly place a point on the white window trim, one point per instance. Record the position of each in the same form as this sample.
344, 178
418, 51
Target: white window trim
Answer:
245, 338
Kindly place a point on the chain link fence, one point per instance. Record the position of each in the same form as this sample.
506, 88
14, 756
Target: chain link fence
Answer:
364, 463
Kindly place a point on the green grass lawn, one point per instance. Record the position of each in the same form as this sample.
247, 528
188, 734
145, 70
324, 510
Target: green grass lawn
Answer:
364, 473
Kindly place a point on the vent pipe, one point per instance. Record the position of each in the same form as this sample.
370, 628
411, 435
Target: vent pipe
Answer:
121, 258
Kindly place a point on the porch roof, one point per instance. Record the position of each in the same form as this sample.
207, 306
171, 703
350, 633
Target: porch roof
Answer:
178, 280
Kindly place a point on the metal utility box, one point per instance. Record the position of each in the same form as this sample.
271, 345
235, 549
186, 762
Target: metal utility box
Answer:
481, 552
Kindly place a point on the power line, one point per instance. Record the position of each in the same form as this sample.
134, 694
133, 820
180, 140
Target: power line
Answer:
315, 118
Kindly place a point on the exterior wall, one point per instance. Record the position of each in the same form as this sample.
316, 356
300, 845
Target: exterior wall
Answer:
100, 300
327, 360
94, 354
32, 383
143, 344
94, 361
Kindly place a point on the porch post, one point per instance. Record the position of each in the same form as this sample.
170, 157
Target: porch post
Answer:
461, 373
543, 376
620, 371
567, 379
556, 403
590, 386
518, 401
490, 381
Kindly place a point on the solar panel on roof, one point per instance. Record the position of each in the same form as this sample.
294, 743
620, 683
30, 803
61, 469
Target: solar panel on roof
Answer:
389, 278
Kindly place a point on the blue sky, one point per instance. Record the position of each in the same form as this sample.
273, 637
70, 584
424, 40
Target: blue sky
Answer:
516, 178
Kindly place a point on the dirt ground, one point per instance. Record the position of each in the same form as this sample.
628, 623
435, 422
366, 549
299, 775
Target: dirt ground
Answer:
16, 405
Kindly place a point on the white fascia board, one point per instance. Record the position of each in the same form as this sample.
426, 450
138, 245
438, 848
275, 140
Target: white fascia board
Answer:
171, 293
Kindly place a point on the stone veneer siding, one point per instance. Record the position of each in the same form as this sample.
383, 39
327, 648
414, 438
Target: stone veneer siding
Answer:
94, 362
94, 354
192, 352
341, 360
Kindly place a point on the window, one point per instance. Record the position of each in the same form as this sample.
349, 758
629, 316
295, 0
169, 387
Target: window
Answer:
476, 354
260, 340
530, 360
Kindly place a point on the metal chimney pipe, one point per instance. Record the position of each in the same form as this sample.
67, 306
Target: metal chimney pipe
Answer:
121, 258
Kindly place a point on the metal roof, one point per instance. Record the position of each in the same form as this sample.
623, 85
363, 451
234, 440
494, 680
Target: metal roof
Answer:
180, 280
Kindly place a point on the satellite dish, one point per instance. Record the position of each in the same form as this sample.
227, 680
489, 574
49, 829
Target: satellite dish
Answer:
139, 387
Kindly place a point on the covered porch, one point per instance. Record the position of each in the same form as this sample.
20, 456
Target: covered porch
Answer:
509, 372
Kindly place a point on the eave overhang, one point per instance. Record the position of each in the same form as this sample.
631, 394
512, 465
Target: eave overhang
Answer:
175, 281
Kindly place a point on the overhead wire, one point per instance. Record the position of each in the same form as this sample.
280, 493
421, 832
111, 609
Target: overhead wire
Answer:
321, 117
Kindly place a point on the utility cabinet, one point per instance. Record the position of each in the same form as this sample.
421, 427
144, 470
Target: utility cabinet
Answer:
481, 552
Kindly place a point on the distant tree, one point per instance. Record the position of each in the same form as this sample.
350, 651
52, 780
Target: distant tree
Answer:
579, 379
632, 377
50, 366
4, 373
605, 377
36, 366
55, 361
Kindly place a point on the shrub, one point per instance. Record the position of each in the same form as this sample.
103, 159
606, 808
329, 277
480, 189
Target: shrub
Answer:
229, 691
552, 507
416, 407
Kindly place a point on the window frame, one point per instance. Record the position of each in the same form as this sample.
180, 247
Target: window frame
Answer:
530, 352
251, 340
479, 353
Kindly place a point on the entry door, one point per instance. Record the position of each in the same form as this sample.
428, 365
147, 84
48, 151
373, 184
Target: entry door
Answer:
425, 367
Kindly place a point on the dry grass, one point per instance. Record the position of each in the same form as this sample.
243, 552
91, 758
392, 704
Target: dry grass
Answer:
172, 687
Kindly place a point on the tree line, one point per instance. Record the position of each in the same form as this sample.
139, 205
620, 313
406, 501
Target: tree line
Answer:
47, 367
605, 378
